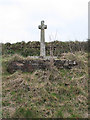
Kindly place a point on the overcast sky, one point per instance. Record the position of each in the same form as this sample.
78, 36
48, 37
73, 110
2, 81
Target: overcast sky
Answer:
65, 20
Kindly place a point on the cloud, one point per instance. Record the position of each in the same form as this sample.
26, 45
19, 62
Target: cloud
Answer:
20, 19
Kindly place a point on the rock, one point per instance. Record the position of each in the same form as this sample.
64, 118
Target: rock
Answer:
32, 65
14, 66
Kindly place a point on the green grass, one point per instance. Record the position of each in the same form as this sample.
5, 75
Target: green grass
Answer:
13, 93
5, 103
64, 72
60, 114
26, 113
55, 95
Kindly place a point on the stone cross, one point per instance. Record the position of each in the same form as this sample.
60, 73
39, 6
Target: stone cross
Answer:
42, 39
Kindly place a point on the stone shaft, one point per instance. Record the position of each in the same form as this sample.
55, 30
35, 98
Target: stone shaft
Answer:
42, 44
42, 39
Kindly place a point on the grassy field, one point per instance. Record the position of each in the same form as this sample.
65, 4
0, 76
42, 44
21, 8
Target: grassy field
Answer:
53, 93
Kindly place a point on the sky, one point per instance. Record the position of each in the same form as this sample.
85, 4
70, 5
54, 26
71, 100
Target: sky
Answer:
66, 20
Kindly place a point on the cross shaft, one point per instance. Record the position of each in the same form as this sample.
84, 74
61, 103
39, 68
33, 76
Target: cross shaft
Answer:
42, 39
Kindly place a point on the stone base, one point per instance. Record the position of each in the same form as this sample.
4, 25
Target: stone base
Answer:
32, 65
43, 57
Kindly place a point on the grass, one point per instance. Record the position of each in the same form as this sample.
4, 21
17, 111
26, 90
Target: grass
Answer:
25, 113
60, 114
5, 103
51, 94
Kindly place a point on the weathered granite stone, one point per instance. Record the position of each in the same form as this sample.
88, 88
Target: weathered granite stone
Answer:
32, 65
42, 39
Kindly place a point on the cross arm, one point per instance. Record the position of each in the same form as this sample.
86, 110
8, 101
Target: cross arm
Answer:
45, 26
39, 27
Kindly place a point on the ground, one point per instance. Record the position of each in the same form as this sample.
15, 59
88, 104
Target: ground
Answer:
53, 93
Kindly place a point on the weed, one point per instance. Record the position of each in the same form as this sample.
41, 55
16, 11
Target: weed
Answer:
25, 113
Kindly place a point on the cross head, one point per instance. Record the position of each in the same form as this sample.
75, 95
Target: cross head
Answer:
42, 26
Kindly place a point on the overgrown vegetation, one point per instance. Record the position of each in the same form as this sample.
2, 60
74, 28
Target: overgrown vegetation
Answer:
33, 48
45, 94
